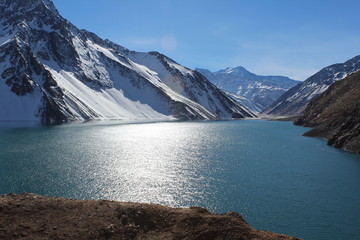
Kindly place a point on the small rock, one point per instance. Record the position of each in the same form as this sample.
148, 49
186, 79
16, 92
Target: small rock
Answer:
109, 231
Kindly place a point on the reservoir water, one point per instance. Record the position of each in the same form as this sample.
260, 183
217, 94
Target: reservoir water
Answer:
276, 178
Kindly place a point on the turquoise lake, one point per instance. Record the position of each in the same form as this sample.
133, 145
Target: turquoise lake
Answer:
277, 179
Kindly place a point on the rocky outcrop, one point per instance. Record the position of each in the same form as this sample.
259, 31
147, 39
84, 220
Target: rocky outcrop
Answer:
335, 114
29, 216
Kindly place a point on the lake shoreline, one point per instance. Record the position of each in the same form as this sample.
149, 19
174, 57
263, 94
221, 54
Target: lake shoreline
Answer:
264, 170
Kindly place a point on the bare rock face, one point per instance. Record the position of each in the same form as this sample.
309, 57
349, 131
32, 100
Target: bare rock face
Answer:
29, 216
335, 114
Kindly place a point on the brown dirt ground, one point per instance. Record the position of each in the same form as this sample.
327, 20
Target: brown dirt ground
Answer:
30, 216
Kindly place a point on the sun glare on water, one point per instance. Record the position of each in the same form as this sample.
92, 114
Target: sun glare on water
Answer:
153, 162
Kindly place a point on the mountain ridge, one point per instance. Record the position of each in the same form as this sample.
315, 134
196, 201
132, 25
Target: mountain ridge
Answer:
60, 73
295, 100
256, 92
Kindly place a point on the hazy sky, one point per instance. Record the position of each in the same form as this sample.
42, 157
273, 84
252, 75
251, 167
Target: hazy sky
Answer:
295, 38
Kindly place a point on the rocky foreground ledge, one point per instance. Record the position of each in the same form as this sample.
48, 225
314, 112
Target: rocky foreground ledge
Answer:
30, 216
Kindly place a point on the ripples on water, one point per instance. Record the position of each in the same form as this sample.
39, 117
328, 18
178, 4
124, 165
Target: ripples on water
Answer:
277, 179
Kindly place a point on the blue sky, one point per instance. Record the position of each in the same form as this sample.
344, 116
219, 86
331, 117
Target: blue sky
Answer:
295, 38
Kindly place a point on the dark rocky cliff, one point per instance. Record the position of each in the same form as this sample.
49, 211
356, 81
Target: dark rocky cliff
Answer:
335, 114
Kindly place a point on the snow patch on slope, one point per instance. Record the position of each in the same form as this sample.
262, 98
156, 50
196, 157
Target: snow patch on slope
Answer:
108, 103
15, 108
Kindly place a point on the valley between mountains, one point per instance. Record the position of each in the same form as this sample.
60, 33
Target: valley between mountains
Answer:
53, 72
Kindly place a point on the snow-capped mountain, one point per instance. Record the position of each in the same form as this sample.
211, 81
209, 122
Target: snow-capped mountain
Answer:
251, 90
54, 72
294, 101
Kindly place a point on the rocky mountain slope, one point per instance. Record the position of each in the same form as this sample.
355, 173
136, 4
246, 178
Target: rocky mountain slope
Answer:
29, 216
54, 72
294, 101
251, 90
335, 114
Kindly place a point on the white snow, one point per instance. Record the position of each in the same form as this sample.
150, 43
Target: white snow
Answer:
179, 84
45, 28
105, 84
15, 108
120, 100
6, 38
107, 104
245, 102
155, 66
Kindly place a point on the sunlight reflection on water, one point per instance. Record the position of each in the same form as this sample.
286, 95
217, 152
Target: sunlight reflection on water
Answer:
156, 163
277, 179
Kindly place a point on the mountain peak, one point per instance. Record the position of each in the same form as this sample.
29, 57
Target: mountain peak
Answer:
258, 91
235, 70
22, 6
21, 16
59, 73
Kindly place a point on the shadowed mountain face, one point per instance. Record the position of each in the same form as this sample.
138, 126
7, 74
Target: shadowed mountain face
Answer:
335, 114
54, 72
251, 90
294, 101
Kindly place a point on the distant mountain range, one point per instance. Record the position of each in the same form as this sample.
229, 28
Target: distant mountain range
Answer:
251, 90
335, 114
294, 101
54, 72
